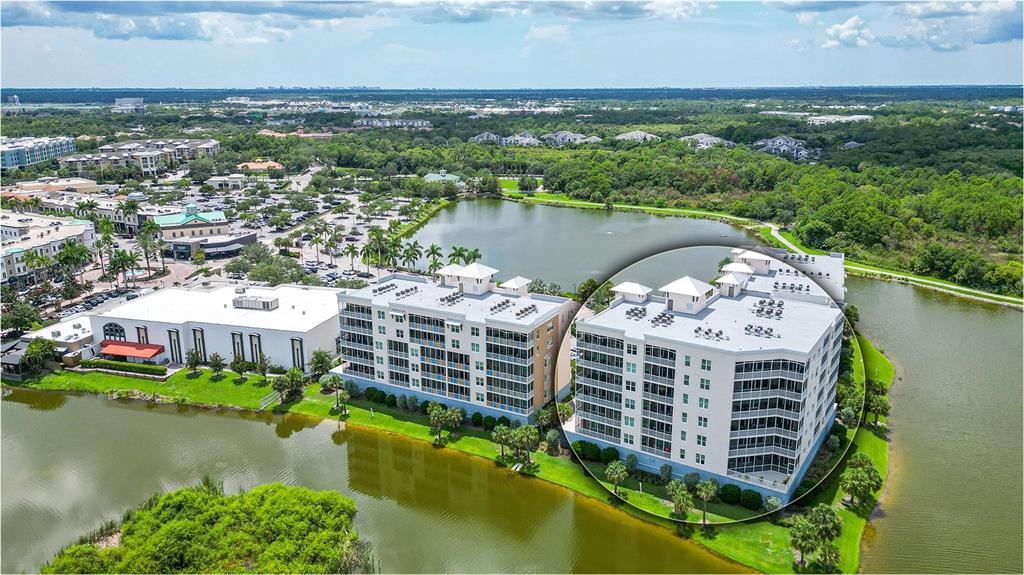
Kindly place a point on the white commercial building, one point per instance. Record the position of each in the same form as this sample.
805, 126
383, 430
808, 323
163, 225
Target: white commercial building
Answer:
736, 382
463, 340
287, 323
24, 233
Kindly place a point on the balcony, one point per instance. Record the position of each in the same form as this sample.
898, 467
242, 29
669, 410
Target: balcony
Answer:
657, 434
599, 418
767, 394
659, 398
357, 359
398, 368
766, 413
356, 315
597, 435
599, 348
656, 451
660, 361
765, 450
617, 370
356, 329
598, 401
770, 374
508, 376
401, 354
426, 327
509, 358
654, 415
510, 343
509, 392
660, 380
365, 347
598, 384
427, 342
763, 431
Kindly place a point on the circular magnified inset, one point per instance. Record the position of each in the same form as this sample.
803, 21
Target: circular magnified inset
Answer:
708, 385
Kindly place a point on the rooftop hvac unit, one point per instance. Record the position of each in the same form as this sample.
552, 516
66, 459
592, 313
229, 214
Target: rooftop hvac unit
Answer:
239, 290
255, 302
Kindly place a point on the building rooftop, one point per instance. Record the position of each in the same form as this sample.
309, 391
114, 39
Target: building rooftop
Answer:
412, 293
191, 214
34, 230
300, 308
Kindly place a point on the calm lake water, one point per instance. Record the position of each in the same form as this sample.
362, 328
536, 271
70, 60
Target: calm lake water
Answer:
953, 501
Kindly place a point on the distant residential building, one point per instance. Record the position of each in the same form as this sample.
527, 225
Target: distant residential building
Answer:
1007, 109
786, 146
784, 113
563, 137
836, 119
149, 156
21, 152
702, 141
524, 138
591, 140
485, 138
128, 106
391, 123
22, 233
637, 136
287, 323
850, 145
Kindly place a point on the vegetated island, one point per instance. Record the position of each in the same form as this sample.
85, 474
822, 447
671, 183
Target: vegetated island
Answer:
273, 528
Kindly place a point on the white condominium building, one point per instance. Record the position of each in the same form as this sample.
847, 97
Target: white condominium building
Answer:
462, 340
20, 152
149, 156
736, 382
287, 323
24, 233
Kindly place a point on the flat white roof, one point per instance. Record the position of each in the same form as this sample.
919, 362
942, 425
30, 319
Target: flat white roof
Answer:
415, 294
632, 288
300, 308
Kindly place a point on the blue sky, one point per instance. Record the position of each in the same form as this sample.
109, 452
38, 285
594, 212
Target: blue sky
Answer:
508, 43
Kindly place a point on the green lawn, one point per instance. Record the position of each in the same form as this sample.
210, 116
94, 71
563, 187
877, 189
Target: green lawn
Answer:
758, 544
548, 198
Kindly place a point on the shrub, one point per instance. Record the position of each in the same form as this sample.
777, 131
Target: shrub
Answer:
691, 480
832, 443
143, 368
504, 421
586, 450
490, 422
631, 463
838, 429
403, 402
425, 406
370, 393
609, 454
751, 499
411, 403
477, 419
277, 370
665, 473
552, 439
391, 400
730, 494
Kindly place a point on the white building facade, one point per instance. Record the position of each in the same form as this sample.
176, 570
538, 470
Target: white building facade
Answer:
287, 323
736, 382
23, 233
463, 340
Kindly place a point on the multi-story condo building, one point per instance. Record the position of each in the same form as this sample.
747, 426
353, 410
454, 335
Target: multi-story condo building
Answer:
23, 233
147, 155
287, 323
736, 381
21, 152
462, 340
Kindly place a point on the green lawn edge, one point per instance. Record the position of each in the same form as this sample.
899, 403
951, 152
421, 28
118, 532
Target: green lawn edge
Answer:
758, 544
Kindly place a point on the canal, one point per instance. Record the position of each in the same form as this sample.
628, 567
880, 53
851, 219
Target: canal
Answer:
952, 504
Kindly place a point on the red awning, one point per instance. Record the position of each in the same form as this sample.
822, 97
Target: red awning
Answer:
130, 349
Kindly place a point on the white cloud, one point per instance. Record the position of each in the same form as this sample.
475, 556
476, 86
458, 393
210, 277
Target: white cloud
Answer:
853, 33
806, 18
552, 33
675, 9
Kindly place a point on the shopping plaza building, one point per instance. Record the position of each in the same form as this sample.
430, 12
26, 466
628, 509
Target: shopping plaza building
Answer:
463, 340
735, 381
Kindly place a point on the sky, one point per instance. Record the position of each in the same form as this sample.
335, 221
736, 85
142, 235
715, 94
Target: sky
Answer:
508, 43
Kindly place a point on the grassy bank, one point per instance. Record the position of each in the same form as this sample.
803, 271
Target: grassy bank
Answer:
422, 218
760, 545
549, 199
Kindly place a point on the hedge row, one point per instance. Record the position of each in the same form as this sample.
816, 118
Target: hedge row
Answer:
128, 366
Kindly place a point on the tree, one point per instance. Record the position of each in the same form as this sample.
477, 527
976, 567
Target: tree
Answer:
192, 360
437, 416
289, 384
691, 480
828, 557
631, 462
262, 365
199, 257
552, 440
19, 317
826, 521
682, 502
803, 538
772, 504
238, 365
502, 435
665, 473
616, 473
706, 491
877, 404
526, 439
38, 352
861, 478
320, 362
216, 362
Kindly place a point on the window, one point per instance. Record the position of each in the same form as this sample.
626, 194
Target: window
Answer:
630, 386
456, 328
551, 326
631, 348
630, 422
702, 402
686, 361
474, 331
699, 458
702, 440
686, 380
627, 439
682, 435
142, 335
630, 403
380, 360
475, 347
455, 344
415, 368
378, 345
479, 365
414, 352
684, 416
630, 367
682, 454
705, 383
479, 396
298, 354
381, 314
702, 422
479, 380
705, 365
400, 334
382, 330
114, 331
415, 382
686, 399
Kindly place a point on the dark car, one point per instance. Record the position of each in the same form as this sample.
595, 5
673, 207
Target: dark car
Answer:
364, 275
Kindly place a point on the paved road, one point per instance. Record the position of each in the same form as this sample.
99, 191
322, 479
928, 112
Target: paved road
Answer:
785, 242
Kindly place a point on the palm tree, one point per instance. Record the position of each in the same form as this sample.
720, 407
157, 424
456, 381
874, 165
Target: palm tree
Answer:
434, 252
86, 209
411, 253
706, 491
803, 537
394, 251
616, 473
105, 228
316, 242
37, 263
434, 266
472, 256
457, 255
128, 209
378, 240
351, 250
367, 255
73, 256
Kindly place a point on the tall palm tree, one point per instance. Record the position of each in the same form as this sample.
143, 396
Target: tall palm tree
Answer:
472, 256
434, 266
367, 254
316, 242
86, 209
457, 255
73, 256
394, 251
148, 232
378, 242
411, 253
434, 254
37, 263
128, 209
105, 243
351, 250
